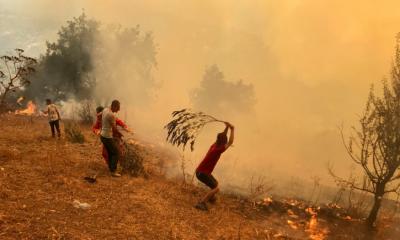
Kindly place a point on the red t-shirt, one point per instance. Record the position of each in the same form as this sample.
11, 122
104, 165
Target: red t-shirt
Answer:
210, 160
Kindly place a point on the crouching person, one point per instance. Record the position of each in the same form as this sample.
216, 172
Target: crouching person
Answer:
206, 167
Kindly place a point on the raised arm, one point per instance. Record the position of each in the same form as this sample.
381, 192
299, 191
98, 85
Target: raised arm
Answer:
231, 135
226, 127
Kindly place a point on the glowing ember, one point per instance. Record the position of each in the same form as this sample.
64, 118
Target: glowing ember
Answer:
292, 214
311, 211
312, 225
29, 110
292, 224
267, 200
347, 218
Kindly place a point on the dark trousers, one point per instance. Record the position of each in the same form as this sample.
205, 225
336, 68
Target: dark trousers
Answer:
113, 152
55, 124
207, 179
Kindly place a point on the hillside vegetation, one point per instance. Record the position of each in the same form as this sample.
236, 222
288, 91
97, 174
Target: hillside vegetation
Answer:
42, 177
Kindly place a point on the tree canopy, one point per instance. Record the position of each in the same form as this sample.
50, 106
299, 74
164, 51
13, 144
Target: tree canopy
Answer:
88, 57
216, 95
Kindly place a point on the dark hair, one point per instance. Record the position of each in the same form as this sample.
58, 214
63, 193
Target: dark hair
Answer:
99, 109
222, 139
48, 100
115, 103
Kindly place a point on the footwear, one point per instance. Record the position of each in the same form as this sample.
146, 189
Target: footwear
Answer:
201, 206
114, 174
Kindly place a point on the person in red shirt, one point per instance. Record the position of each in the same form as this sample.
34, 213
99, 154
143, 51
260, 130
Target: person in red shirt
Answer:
116, 134
205, 168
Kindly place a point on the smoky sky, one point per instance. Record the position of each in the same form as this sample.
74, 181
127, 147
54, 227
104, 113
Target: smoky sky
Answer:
311, 64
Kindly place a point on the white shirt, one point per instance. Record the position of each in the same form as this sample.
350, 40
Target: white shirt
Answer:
107, 121
52, 112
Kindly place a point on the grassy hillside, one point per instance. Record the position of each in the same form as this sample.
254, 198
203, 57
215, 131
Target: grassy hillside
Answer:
41, 177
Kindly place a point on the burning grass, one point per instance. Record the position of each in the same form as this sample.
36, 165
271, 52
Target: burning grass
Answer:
29, 110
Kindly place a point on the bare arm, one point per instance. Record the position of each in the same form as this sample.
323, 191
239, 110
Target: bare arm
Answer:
114, 124
231, 135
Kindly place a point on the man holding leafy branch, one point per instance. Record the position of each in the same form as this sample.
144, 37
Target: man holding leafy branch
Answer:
205, 168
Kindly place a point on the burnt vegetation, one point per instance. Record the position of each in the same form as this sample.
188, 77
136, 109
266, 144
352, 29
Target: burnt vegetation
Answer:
375, 144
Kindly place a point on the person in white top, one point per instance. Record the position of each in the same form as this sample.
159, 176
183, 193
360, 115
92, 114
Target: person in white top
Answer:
54, 117
108, 126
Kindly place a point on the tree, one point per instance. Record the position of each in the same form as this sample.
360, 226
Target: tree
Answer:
216, 95
90, 61
375, 145
125, 57
14, 72
66, 68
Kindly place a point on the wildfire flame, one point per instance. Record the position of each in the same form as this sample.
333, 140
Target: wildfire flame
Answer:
315, 231
292, 224
29, 110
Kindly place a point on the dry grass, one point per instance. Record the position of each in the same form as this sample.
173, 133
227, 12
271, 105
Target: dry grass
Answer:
40, 177
73, 132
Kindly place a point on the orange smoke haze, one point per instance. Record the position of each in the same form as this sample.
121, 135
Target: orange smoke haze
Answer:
311, 64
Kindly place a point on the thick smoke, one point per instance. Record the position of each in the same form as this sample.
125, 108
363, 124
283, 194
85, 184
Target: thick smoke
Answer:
311, 64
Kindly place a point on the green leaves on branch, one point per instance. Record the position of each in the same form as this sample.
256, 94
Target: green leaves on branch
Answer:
186, 126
